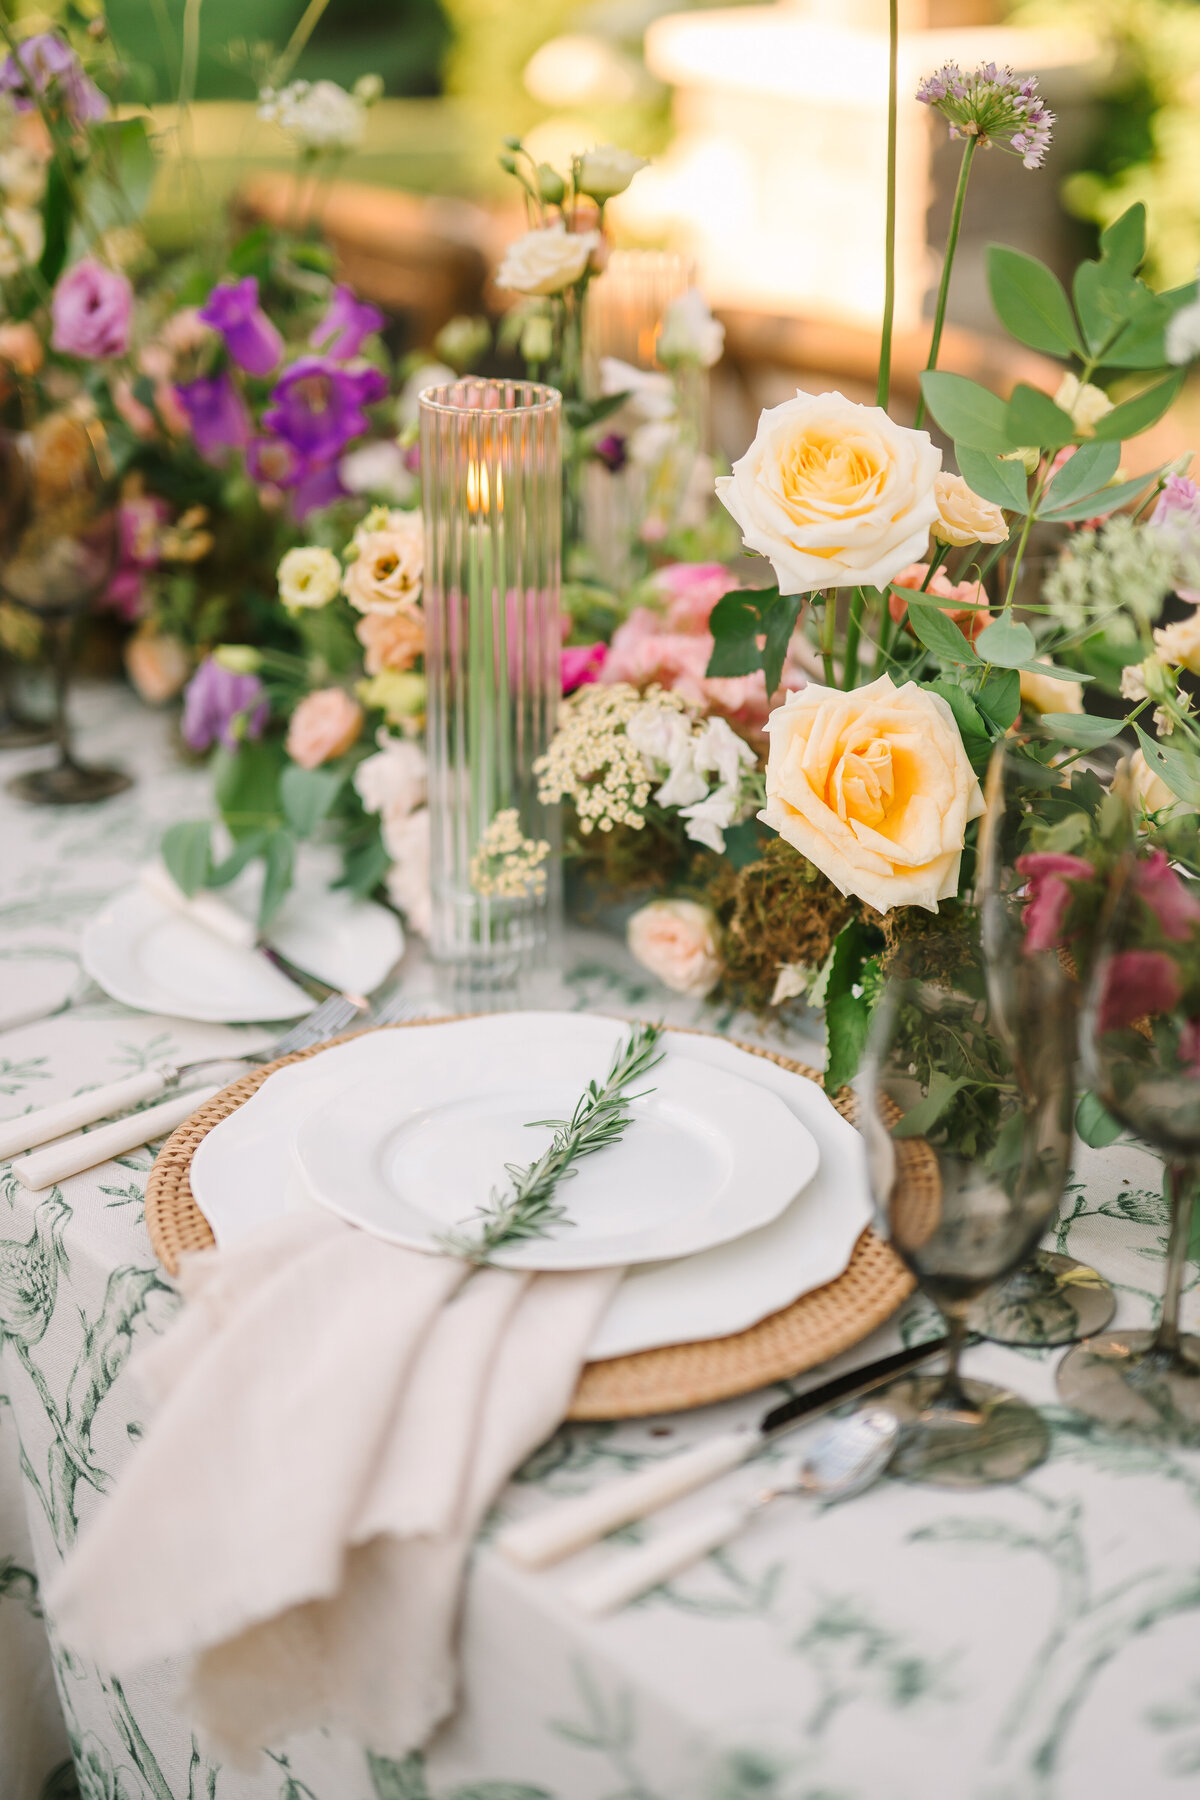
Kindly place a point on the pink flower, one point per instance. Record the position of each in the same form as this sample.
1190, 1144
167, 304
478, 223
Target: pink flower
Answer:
1137, 983
642, 652
1177, 511
92, 310
1165, 893
581, 663
138, 549
690, 591
1048, 872
324, 725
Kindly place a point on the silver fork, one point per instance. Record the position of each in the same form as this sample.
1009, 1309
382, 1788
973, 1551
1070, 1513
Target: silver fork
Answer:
16, 1135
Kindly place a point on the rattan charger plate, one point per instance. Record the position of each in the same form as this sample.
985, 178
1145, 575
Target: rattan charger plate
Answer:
817, 1326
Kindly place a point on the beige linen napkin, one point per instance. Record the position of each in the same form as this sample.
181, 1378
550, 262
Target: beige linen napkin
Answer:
334, 1417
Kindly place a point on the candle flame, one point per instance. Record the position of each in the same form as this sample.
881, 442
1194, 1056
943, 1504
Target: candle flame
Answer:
479, 489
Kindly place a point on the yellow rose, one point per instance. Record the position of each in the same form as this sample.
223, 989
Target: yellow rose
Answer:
1179, 644
963, 518
874, 787
1150, 788
833, 494
1083, 403
1048, 693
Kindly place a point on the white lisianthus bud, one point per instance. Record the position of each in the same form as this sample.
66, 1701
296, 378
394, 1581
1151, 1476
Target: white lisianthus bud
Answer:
547, 260
551, 185
606, 172
537, 339
1029, 456
368, 89
1082, 402
689, 332
239, 659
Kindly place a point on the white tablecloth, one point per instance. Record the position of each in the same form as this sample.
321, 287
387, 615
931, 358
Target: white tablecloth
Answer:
1039, 1642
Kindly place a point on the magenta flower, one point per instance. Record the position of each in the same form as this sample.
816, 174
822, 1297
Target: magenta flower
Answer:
221, 706
92, 310
1167, 895
581, 663
45, 64
139, 548
1049, 897
348, 321
612, 452
691, 590
251, 339
216, 413
1138, 983
318, 408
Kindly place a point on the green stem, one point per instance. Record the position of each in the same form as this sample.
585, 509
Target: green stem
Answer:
883, 390
853, 633
939, 316
309, 20
828, 634
1030, 516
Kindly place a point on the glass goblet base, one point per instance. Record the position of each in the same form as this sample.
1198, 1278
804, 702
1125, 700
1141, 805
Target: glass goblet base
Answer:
1052, 1299
1125, 1379
68, 784
994, 1437
18, 733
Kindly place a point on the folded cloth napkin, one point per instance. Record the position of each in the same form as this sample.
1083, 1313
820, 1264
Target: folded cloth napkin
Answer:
334, 1416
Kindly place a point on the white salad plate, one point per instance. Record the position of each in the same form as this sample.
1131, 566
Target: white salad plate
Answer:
147, 954
242, 1175
414, 1151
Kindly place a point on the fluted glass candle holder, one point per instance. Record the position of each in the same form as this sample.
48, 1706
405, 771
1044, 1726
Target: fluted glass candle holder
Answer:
491, 477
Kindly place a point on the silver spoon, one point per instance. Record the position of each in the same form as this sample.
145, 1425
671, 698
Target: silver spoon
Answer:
843, 1459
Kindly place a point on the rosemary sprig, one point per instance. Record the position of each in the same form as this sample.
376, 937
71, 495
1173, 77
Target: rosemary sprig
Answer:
530, 1206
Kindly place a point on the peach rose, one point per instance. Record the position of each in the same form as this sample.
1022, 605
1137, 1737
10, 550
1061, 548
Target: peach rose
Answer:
970, 602
391, 640
679, 942
323, 726
386, 572
157, 664
963, 517
874, 787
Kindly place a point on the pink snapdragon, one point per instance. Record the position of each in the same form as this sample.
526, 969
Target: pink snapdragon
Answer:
1138, 983
1049, 897
1168, 896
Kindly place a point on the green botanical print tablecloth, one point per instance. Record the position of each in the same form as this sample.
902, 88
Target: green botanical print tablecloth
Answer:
1040, 1642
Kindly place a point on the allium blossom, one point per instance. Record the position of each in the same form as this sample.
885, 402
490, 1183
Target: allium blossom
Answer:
347, 322
222, 706
318, 408
251, 339
46, 64
991, 105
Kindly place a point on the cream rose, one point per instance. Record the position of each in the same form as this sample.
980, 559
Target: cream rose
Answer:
963, 518
308, 577
1082, 402
385, 574
1049, 693
608, 171
1179, 644
679, 942
833, 494
1150, 787
546, 261
324, 725
874, 787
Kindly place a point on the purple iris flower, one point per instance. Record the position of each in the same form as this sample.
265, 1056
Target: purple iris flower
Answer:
270, 459
252, 340
216, 414
318, 407
38, 64
219, 705
345, 325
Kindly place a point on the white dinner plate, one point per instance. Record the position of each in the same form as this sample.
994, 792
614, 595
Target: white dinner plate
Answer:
412, 1152
242, 1176
143, 952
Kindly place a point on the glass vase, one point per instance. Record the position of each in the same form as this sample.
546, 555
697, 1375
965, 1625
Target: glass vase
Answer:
491, 471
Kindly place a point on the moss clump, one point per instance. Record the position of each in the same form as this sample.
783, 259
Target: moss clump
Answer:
779, 909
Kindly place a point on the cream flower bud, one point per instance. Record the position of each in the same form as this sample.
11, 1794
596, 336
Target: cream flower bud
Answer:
239, 659
689, 332
547, 260
537, 339
1082, 402
963, 517
608, 171
1029, 456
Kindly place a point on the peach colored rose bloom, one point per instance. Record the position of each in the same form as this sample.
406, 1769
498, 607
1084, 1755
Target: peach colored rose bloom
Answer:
391, 640
963, 517
679, 942
969, 611
157, 664
323, 726
386, 573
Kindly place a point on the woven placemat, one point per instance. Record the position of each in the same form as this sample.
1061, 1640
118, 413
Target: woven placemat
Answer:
817, 1326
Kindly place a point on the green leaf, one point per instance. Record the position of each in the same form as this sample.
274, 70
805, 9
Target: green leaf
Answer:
1095, 1124
1003, 483
129, 168
1031, 302
243, 852
1007, 643
1123, 243
1085, 473
307, 795
185, 850
847, 1015
280, 855
736, 623
968, 413
1080, 730
364, 867
1108, 500
937, 632
972, 726
781, 615
393, 1780
919, 1118
1043, 667
1137, 415
999, 698
743, 843
1180, 771
56, 223
246, 785
1032, 418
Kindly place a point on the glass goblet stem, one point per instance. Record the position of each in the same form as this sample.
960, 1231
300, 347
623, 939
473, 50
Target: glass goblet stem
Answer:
951, 1395
1181, 1179
63, 634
